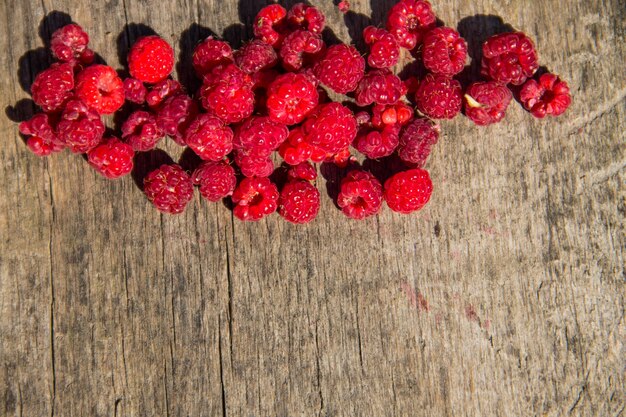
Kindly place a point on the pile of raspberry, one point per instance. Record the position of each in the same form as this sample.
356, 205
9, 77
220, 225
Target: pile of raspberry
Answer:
272, 97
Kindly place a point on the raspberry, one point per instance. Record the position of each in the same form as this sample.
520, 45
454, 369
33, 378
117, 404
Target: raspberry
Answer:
141, 131
290, 98
417, 140
209, 54
69, 44
253, 164
444, 51
408, 191
43, 140
227, 93
255, 56
439, 97
344, 6
376, 144
295, 149
379, 86
135, 91
296, 45
360, 195
261, 134
509, 58
169, 188
254, 199
162, 91
209, 138
547, 96
486, 102
112, 158
331, 127
398, 113
408, 20
151, 59
80, 128
299, 202
341, 68
269, 24
100, 88
384, 49
53, 87
216, 180
176, 113
303, 16
302, 171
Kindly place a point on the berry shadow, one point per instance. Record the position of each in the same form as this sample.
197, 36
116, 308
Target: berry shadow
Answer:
21, 111
189, 38
333, 175
189, 160
146, 162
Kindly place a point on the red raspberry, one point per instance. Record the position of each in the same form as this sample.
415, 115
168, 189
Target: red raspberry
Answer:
216, 180
135, 91
261, 134
53, 87
439, 97
227, 93
209, 54
360, 195
162, 91
299, 202
112, 158
331, 127
486, 103
509, 58
69, 44
302, 171
303, 16
444, 51
296, 45
254, 199
548, 96
80, 128
290, 98
141, 131
269, 24
100, 88
408, 191
253, 164
43, 140
255, 56
379, 86
417, 140
376, 144
176, 113
295, 149
408, 20
169, 188
209, 138
384, 49
398, 113
341, 68
151, 59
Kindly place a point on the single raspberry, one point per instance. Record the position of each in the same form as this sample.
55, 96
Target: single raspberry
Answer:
331, 127
344, 6
216, 180
141, 131
299, 45
53, 87
169, 188
302, 171
269, 24
254, 199
175, 114
444, 51
299, 202
360, 195
100, 88
161, 91
416, 141
509, 58
295, 149
227, 93
379, 86
135, 91
303, 16
80, 128
408, 20
391, 114
486, 102
69, 44
209, 54
377, 143
261, 134
290, 98
548, 96
384, 49
439, 97
408, 191
112, 158
42, 139
151, 59
341, 68
253, 164
255, 56
209, 138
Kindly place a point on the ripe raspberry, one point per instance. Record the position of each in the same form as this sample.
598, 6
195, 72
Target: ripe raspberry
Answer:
254, 199
69, 44
331, 127
161, 91
269, 24
216, 180
379, 86
439, 97
53, 87
302, 171
175, 115
299, 202
408, 20
255, 56
261, 134
80, 128
227, 93
253, 164
509, 58
303, 16
377, 143
416, 141
141, 131
360, 195
444, 51
151, 59
408, 191
341, 68
486, 102
209, 138
209, 54
391, 114
548, 96
291, 97
43, 140
169, 188
100, 88
295, 149
135, 91
384, 49
112, 158
296, 45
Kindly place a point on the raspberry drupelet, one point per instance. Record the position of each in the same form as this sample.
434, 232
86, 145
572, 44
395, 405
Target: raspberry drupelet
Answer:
547, 96
112, 158
161, 91
269, 24
295, 149
151, 59
444, 51
255, 198
408, 191
209, 138
52, 87
417, 140
135, 91
299, 45
80, 127
509, 58
290, 98
341, 68
69, 44
100, 88
169, 188
141, 131
486, 102
42, 139
360, 195
175, 115
380, 87
398, 113
384, 49
439, 97
227, 93
303, 16
408, 20
299, 202
331, 127
255, 56
216, 180
210, 53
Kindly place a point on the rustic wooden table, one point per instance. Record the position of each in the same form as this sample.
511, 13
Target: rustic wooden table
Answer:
505, 296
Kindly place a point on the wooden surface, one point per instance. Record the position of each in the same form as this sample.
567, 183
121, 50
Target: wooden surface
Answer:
505, 296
